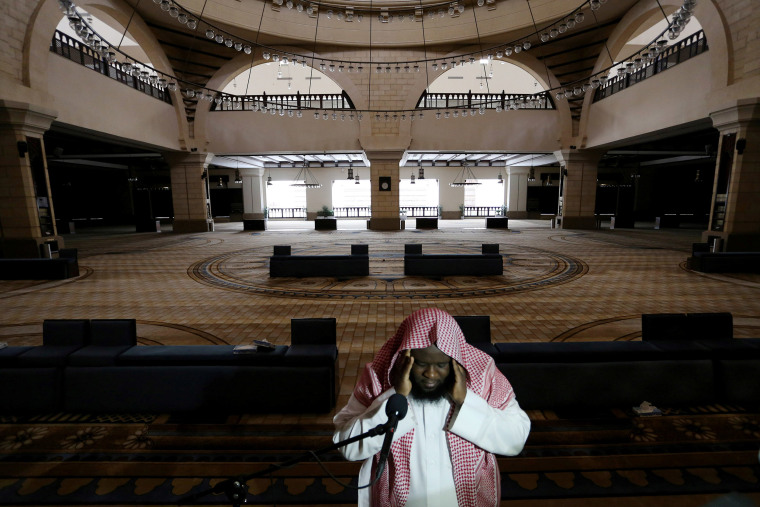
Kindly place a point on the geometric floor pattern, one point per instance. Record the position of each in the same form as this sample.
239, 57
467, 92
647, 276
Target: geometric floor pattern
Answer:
212, 287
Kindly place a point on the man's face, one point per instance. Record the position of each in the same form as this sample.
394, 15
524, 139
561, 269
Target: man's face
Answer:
431, 373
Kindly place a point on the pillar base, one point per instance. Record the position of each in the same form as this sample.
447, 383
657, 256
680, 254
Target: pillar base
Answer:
185, 226
252, 216
734, 242
451, 215
26, 248
586, 223
517, 214
384, 224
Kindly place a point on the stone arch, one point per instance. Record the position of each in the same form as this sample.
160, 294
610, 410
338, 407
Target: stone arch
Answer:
713, 23
43, 24
242, 62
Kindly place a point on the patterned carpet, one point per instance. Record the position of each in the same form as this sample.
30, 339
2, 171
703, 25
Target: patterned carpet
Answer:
212, 288
686, 455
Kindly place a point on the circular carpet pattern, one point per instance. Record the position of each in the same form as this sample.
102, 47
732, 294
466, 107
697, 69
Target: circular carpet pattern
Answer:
525, 269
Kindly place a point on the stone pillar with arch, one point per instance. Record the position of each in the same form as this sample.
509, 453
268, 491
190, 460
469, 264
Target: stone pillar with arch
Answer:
27, 216
735, 208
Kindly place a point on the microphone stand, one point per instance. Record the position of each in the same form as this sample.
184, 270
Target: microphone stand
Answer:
236, 488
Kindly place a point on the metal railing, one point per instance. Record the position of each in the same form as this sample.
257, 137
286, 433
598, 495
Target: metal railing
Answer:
82, 54
286, 212
690, 47
475, 101
289, 102
420, 211
353, 212
482, 211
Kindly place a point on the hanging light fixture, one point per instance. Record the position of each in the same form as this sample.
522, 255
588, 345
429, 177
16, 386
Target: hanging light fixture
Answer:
465, 177
421, 171
305, 178
238, 178
220, 184
356, 178
412, 178
269, 178
350, 172
532, 175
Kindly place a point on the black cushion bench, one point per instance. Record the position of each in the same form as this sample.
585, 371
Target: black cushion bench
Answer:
39, 269
96, 366
725, 262
283, 264
497, 223
487, 263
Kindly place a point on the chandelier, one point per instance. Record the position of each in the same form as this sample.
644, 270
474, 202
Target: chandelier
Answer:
465, 177
305, 178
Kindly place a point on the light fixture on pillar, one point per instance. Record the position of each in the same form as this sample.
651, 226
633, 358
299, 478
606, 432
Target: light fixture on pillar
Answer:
304, 178
465, 177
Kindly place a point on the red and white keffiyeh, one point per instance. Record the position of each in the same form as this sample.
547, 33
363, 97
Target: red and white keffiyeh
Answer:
476, 474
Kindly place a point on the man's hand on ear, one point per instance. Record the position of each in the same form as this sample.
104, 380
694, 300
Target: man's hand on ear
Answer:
400, 376
459, 388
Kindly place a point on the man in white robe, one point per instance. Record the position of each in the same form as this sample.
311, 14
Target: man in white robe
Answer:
462, 411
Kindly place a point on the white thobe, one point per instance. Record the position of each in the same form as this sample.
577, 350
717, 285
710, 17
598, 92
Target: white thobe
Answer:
431, 475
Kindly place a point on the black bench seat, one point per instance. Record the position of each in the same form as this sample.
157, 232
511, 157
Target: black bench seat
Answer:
487, 263
283, 264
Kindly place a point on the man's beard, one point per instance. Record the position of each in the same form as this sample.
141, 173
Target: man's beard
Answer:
436, 394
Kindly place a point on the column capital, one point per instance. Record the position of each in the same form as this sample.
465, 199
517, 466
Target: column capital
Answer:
251, 172
25, 117
380, 154
567, 157
188, 158
513, 170
732, 118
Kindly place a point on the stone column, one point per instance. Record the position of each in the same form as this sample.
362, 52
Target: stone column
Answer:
27, 217
577, 205
190, 193
735, 210
516, 188
254, 193
384, 174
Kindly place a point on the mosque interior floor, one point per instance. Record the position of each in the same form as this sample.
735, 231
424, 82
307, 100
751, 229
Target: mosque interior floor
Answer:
558, 285
214, 288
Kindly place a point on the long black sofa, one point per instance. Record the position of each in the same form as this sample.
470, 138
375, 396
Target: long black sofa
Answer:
283, 264
682, 360
724, 262
38, 269
96, 366
488, 262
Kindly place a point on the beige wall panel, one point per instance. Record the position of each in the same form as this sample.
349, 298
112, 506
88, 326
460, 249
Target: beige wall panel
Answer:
249, 131
680, 95
93, 101
509, 130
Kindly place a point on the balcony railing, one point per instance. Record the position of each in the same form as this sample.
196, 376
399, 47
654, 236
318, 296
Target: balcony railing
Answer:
82, 54
353, 212
485, 100
482, 211
290, 102
286, 212
690, 47
420, 211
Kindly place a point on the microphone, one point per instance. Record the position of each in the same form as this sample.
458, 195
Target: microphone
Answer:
395, 408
